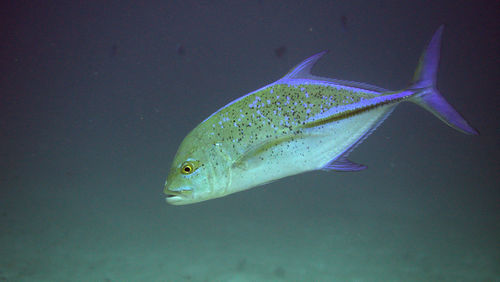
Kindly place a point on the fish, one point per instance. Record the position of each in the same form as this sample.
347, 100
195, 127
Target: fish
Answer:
296, 124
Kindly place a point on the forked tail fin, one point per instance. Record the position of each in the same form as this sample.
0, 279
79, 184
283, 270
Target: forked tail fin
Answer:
428, 97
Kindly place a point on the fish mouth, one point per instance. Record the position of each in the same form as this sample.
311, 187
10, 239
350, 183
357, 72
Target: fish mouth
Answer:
171, 194
171, 199
176, 195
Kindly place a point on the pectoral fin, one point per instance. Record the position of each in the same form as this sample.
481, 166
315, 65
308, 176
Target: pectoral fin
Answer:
253, 153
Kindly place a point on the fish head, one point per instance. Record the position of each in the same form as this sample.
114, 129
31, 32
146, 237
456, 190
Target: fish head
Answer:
198, 173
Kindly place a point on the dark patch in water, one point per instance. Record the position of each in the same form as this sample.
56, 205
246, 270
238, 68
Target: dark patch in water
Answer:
181, 50
242, 264
280, 51
279, 272
114, 51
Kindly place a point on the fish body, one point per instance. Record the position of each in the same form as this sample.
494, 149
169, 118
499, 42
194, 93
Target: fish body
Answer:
297, 124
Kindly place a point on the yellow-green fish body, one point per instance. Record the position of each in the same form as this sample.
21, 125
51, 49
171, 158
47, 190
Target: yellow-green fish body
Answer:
299, 123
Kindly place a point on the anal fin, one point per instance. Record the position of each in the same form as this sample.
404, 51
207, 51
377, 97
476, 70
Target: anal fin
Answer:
343, 164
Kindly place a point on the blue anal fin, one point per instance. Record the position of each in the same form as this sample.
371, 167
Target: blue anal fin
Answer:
343, 164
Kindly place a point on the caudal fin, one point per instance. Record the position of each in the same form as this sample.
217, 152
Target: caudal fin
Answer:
427, 95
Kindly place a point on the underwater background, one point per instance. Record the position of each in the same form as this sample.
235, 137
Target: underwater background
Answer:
96, 96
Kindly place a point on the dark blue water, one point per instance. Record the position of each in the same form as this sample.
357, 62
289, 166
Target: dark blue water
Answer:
95, 99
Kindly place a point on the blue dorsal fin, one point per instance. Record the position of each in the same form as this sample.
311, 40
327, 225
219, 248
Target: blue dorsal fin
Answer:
303, 70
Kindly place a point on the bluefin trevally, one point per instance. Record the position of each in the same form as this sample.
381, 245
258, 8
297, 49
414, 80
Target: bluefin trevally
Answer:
297, 124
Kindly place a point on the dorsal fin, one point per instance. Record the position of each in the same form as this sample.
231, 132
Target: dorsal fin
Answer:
303, 70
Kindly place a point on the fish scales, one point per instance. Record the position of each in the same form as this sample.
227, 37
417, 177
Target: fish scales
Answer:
276, 110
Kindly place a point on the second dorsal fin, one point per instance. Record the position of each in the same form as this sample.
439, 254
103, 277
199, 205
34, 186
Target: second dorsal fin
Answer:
303, 70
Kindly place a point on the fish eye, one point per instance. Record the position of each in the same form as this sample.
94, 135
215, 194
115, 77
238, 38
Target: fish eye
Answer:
187, 168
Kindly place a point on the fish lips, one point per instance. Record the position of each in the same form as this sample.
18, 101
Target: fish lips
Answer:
177, 194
